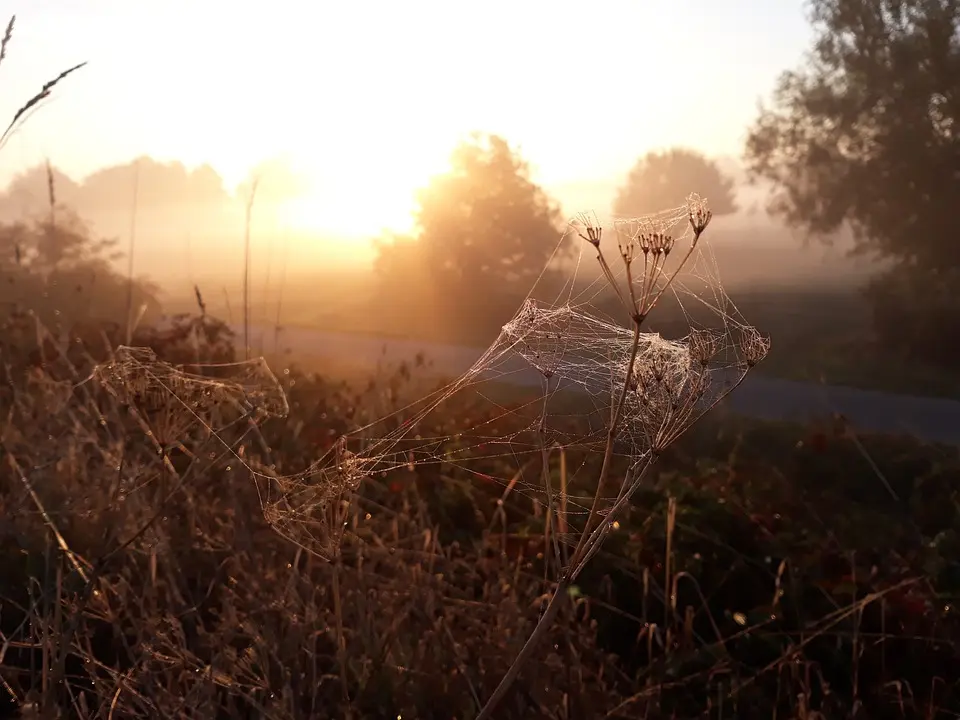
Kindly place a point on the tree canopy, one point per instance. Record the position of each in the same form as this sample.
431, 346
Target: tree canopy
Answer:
865, 134
485, 223
55, 268
484, 233
661, 180
164, 187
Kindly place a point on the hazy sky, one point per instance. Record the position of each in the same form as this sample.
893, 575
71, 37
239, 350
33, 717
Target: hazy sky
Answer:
368, 98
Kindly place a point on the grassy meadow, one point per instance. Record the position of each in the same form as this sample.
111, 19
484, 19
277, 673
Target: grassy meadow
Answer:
761, 571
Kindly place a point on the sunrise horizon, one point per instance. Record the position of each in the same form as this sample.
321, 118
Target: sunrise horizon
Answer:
363, 134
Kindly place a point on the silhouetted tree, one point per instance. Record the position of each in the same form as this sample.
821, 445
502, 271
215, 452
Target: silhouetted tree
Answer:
163, 186
663, 180
865, 134
485, 226
28, 193
485, 232
155, 204
63, 275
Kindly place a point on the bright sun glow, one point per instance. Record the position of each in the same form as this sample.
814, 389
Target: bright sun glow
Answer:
345, 212
363, 189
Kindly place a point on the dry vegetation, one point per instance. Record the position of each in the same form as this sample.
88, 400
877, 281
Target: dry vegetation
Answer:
757, 571
798, 582
744, 570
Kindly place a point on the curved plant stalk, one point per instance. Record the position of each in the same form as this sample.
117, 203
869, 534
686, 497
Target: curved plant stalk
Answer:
655, 248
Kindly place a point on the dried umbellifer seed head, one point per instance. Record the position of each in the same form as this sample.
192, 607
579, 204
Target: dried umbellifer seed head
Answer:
704, 345
753, 346
591, 230
699, 214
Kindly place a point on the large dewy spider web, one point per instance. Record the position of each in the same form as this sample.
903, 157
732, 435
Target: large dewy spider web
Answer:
551, 379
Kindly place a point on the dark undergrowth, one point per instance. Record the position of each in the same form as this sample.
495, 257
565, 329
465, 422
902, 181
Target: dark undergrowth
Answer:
764, 571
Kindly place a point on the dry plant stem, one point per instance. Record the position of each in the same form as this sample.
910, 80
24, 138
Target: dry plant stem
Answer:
649, 277
90, 582
226, 301
676, 272
34, 101
670, 604
75, 559
266, 291
562, 520
633, 293
341, 641
461, 668
133, 245
283, 282
246, 270
545, 473
546, 620
615, 415
589, 541
611, 279
594, 543
543, 625
631, 486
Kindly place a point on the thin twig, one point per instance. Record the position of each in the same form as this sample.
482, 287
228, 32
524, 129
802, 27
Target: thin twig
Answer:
246, 268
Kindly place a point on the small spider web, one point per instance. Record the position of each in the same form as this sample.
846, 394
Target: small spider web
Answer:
189, 398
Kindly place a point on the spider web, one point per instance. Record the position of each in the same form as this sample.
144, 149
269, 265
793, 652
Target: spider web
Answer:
555, 378
179, 401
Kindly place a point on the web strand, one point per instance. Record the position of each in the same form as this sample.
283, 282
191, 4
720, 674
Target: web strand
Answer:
549, 377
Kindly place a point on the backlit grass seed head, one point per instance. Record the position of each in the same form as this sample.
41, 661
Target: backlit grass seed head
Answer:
7, 36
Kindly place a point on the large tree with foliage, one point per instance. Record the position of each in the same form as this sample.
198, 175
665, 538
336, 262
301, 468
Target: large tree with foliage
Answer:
661, 180
485, 223
485, 232
865, 135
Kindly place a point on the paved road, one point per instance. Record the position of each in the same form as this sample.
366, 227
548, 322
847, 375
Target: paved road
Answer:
930, 419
